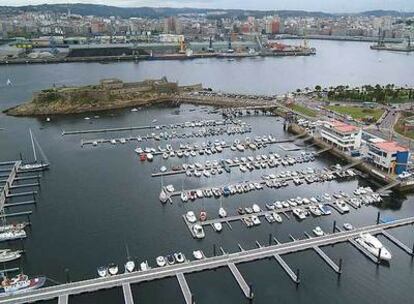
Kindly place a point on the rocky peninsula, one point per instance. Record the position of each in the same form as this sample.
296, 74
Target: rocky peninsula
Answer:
108, 94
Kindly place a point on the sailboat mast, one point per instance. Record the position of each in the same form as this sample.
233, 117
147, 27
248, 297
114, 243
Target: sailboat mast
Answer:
33, 147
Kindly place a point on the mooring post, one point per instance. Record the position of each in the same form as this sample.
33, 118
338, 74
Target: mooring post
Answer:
379, 256
34, 196
340, 266
334, 227
412, 251
378, 217
192, 301
214, 249
251, 293
270, 239
21, 156
67, 275
38, 180
297, 276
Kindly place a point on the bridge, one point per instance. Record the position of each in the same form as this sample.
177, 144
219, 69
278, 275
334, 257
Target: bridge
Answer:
64, 291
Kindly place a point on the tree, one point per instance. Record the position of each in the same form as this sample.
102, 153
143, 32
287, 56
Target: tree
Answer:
318, 88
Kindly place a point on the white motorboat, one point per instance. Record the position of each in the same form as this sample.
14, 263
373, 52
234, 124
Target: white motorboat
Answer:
348, 226
342, 205
164, 197
179, 257
198, 254
184, 196
102, 271
198, 231
315, 210
277, 217
190, 216
163, 169
6, 255
113, 269
129, 266
144, 266
170, 188
150, 157
256, 208
318, 231
299, 213
374, 246
217, 226
255, 220
161, 262
222, 212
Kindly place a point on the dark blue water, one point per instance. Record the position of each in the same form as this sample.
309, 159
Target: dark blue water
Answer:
95, 200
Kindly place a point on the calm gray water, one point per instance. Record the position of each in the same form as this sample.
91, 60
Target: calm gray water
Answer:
93, 201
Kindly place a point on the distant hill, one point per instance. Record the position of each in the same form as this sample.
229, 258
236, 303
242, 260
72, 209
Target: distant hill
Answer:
127, 12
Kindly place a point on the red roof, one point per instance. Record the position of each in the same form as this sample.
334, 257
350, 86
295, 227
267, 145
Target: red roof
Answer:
390, 146
342, 127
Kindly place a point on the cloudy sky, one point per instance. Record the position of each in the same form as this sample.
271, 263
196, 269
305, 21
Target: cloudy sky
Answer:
310, 5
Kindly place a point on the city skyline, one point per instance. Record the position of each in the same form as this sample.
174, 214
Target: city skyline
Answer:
340, 6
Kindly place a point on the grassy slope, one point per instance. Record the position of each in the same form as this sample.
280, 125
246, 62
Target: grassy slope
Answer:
357, 112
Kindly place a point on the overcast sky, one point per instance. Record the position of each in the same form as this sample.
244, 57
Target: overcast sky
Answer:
309, 5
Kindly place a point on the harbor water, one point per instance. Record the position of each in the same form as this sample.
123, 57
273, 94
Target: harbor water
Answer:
95, 201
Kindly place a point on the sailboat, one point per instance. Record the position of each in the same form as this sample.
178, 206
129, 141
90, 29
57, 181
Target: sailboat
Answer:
35, 166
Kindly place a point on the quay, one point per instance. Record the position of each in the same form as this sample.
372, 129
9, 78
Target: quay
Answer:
92, 285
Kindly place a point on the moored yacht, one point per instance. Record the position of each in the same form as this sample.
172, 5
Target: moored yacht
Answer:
6, 255
102, 271
19, 284
161, 262
129, 266
374, 246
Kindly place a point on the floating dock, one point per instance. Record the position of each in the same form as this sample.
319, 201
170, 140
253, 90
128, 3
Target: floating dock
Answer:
93, 285
144, 127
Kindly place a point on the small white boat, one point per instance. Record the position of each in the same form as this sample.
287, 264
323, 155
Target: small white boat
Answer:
374, 246
198, 254
129, 266
144, 266
161, 262
190, 216
255, 220
222, 212
102, 271
277, 217
134, 110
179, 257
318, 231
198, 231
6, 255
342, 205
150, 157
256, 208
348, 226
217, 226
184, 197
113, 269
163, 169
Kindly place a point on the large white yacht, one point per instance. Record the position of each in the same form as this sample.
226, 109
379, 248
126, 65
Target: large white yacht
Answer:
374, 246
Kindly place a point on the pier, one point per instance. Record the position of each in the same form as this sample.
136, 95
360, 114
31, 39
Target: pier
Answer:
126, 288
145, 127
327, 259
240, 280
93, 285
188, 297
286, 268
398, 243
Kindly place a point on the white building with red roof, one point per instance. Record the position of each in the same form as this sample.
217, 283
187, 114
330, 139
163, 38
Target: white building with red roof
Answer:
389, 156
341, 135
